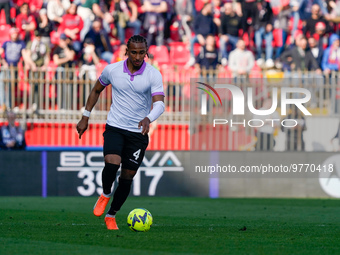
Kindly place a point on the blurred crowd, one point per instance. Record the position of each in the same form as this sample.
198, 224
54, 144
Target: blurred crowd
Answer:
235, 35
299, 35
289, 35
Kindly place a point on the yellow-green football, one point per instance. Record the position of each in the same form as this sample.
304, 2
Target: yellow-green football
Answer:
139, 220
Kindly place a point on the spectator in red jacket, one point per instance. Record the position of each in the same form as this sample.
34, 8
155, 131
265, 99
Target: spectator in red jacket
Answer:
71, 25
26, 23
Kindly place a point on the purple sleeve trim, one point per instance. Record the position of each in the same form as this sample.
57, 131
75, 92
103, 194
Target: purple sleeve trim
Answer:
157, 93
103, 83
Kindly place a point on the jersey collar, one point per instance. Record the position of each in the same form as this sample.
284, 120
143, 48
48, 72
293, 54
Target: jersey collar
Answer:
132, 75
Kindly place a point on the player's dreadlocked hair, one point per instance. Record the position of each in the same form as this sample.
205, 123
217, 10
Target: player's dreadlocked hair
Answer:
138, 39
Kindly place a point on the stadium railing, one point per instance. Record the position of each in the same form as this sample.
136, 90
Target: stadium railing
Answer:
54, 99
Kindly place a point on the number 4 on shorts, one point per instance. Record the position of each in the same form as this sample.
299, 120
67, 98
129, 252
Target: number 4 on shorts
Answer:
136, 154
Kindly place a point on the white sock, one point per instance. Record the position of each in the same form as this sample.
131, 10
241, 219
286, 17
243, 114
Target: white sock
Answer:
111, 216
109, 195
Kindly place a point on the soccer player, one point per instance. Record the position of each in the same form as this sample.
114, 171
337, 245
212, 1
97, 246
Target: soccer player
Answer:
135, 85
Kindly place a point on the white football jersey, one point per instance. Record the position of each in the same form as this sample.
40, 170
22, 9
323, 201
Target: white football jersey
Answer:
131, 93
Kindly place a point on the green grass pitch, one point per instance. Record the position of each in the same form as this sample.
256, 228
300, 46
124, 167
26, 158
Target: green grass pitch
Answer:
65, 225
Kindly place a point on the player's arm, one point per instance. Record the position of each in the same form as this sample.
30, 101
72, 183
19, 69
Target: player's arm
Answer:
157, 109
91, 101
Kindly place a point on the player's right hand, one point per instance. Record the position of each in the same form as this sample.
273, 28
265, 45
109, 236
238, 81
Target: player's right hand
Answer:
82, 126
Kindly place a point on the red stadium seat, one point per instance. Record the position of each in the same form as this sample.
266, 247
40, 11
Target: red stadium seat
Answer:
2, 17
174, 34
13, 13
24, 86
217, 40
197, 48
248, 39
277, 38
55, 37
128, 33
51, 69
227, 73
291, 23
179, 54
167, 72
100, 67
160, 54
36, 5
289, 39
115, 43
21, 71
256, 72
4, 33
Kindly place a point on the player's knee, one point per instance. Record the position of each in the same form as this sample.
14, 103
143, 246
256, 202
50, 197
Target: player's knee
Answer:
113, 159
127, 174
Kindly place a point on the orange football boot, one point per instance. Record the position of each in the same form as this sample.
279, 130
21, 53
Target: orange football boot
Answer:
111, 223
100, 205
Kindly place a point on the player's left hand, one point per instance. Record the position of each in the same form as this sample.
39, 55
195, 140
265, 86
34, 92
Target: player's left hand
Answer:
145, 123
